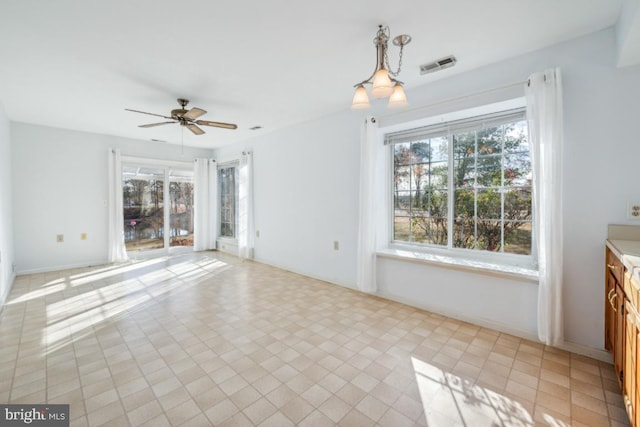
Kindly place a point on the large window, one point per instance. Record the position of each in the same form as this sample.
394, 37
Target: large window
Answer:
147, 224
464, 184
228, 190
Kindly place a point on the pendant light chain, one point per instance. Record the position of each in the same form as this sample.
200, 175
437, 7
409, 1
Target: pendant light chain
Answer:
386, 60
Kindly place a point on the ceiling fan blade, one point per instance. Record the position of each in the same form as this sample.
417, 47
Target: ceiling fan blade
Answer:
155, 124
194, 113
217, 124
150, 114
195, 129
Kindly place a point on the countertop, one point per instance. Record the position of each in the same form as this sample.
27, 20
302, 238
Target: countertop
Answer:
628, 251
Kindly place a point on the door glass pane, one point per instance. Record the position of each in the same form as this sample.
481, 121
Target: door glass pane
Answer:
143, 205
181, 208
228, 201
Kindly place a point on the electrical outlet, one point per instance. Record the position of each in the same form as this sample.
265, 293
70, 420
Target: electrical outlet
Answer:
258, 233
83, 236
633, 210
60, 238
336, 245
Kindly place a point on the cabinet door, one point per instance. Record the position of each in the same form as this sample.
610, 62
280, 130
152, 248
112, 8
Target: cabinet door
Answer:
619, 333
631, 332
609, 314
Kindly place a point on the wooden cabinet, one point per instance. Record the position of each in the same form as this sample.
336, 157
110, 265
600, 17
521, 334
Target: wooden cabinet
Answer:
630, 345
622, 331
614, 336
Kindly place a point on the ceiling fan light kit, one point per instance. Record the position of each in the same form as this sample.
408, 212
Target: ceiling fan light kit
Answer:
186, 118
383, 80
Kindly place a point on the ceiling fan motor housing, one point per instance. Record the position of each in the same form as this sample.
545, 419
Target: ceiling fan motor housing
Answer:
178, 113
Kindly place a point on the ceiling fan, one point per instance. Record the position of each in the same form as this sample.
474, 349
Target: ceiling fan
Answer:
186, 118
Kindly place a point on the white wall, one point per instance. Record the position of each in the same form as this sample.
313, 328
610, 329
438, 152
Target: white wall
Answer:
305, 182
306, 189
60, 187
6, 213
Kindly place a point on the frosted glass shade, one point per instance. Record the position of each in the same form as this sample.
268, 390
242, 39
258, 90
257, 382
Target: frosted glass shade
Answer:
398, 98
382, 86
360, 99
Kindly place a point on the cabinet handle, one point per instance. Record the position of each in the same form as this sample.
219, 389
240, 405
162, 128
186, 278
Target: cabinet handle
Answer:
613, 306
611, 267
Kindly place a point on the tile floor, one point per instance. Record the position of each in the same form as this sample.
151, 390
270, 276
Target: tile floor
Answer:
205, 339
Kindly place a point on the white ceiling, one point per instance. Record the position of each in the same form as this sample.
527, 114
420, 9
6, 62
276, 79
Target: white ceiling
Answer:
77, 64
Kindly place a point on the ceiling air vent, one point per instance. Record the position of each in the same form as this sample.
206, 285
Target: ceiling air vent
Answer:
440, 64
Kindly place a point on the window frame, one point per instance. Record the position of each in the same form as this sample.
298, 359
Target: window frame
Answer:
167, 167
528, 261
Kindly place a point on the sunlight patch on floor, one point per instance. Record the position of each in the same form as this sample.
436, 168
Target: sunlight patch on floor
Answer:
72, 317
450, 400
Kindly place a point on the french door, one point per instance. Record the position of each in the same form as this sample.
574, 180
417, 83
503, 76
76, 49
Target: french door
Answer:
157, 207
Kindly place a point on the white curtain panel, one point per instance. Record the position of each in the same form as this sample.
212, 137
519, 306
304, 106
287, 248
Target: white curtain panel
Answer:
366, 278
245, 209
205, 217
116, 250
544, 113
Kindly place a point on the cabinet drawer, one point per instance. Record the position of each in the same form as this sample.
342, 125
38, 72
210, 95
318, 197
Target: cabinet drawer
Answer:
614, 266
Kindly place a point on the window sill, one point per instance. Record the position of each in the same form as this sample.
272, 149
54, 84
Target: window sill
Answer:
482, 267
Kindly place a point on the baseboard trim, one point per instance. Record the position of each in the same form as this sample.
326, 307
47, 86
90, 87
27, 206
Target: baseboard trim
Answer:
85, 264
3, 298
594, 353
583, 350
301, 273
485, 323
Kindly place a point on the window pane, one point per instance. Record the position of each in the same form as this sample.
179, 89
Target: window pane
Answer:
515, 137
489, 204
402, 178
517, 204
517, 169
419, 180
464, 145
402, 154
490, 141
401, 227
517, 237
439, 149
437, 203
489, 171
429, 230
464, 204
420, 196
227, 180
402, 202
489, 237
181, 211
464, 172
438, 175
143, 206
464, 233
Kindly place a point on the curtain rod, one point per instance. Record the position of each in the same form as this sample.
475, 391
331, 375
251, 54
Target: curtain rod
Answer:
460, 98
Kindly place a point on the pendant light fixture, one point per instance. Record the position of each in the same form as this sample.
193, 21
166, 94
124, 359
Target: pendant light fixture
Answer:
383, 81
